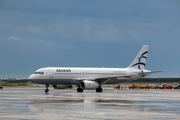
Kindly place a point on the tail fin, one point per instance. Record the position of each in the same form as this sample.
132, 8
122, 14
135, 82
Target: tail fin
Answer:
139, 61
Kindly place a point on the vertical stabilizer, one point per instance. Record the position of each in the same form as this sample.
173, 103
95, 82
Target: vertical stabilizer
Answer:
139, 61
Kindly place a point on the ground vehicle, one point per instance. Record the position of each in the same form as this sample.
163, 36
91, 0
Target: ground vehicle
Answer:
163, 85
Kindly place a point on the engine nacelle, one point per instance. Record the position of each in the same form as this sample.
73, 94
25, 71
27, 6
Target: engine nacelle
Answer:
89, 85
62, 86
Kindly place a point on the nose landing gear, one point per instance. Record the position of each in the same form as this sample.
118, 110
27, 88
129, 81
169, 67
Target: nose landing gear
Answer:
47, 90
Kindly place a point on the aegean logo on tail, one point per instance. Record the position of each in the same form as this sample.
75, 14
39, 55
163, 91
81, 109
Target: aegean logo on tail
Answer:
139, 62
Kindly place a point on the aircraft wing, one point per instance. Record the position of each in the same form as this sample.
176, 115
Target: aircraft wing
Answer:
101, 80
104, 79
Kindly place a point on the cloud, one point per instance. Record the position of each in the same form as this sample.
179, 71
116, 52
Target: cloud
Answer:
109, 33
65, 22
76, 29
34, 29
47, 43
14, 38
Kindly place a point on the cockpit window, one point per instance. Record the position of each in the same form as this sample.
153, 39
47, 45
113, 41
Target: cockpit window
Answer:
39, 73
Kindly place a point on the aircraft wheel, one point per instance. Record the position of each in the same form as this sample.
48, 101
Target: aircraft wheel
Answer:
79, 89
46, 90
99, 89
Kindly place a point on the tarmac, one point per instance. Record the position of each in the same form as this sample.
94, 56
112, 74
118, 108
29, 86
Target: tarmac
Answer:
137, 104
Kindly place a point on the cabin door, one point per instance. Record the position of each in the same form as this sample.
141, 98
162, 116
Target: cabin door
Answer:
51, 74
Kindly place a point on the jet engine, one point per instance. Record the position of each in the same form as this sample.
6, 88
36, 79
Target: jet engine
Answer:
89, 85
62, 86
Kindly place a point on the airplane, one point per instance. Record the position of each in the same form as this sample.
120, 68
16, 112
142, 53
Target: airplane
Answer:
92, 78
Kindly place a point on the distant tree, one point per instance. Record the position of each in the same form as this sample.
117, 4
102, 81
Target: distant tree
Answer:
10, 79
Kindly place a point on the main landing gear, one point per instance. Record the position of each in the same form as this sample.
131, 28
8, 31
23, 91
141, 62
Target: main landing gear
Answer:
99, 89
47, 90
79, 89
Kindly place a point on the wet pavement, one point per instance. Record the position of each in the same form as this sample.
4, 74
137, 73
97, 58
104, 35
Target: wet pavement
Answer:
33, 104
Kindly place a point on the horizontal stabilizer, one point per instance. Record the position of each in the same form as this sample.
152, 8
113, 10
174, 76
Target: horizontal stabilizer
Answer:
148, 73
156, 71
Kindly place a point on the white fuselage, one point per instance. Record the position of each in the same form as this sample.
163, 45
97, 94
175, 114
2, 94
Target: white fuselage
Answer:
70, 75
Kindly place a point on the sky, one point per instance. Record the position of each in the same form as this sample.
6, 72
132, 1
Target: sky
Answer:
88, 33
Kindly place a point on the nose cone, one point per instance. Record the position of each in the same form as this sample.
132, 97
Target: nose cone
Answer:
31, 77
